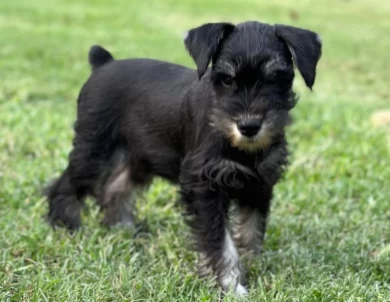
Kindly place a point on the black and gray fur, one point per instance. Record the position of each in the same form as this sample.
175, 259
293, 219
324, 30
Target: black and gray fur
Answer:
218, 132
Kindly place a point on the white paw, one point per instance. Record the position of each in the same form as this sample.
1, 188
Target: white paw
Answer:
240, 290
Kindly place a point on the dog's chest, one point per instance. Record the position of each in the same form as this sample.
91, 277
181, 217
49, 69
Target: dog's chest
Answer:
248, 160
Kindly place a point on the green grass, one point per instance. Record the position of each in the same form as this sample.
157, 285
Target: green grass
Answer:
329, 232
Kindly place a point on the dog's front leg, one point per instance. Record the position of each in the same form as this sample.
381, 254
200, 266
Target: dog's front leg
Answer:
250, 219
208, 219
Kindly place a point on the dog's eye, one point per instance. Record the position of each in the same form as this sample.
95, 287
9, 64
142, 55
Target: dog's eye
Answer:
280, 78
227, 80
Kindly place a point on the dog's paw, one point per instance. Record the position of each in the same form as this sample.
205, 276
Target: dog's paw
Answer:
240, 291
119, 220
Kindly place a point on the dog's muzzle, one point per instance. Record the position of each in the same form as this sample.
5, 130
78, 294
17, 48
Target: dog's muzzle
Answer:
249, 127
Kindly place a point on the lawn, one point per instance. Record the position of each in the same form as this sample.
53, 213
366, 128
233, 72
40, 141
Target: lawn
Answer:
329, 232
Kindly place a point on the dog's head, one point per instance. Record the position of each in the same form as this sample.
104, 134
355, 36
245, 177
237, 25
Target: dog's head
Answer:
252, 74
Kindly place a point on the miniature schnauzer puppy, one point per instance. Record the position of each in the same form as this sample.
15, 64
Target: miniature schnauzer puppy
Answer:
218, 132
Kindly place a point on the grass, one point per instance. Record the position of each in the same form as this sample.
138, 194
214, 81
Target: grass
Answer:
329, 232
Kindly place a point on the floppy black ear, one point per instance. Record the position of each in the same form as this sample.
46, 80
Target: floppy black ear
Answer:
305, 49
202, 43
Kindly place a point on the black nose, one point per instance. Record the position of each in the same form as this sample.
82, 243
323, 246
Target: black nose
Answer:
249, 128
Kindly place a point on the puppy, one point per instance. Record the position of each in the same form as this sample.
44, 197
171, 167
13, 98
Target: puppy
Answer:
218, 132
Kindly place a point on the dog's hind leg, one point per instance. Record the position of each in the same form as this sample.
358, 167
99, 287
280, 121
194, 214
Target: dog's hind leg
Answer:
66, 195
115, 195
65, 202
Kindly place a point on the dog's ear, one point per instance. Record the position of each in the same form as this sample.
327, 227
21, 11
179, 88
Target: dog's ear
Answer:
202, 43
305, 48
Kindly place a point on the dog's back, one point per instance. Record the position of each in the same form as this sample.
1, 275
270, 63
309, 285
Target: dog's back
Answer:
135, 103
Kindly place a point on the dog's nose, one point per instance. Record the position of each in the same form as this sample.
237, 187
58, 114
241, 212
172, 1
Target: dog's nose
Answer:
249, 128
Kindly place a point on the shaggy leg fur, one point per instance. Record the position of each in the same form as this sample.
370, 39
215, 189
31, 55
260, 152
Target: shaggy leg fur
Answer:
219, 255
117, 202
65, 203
115, 199
249, 222
67, 194
248, 230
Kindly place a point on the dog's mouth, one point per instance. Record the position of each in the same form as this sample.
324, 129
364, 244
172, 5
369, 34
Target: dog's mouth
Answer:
251, 133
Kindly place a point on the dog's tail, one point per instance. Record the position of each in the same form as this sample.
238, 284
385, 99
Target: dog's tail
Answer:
98, 57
